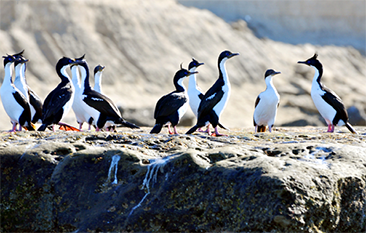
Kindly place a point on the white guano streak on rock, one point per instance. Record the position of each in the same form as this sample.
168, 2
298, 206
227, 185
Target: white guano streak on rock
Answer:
114, 164
152, 173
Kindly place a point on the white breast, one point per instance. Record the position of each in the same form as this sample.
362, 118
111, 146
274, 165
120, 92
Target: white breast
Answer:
220, 106
11, 106
327, 111
266, 110
182, 110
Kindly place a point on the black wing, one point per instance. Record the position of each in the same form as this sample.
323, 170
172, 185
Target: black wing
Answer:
211, 98
56, 100
257, 101
36, 102
21, 100
333, 99
102, 103
169, 104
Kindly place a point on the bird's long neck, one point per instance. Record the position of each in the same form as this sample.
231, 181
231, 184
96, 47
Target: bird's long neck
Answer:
85, 77
318, 75
98, 82
269, 82
179, 86
75, 76
192, 82
17, 72
222, 70
63, 74
8, 74
22, 72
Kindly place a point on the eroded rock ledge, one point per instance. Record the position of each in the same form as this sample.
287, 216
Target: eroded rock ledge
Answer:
291, 180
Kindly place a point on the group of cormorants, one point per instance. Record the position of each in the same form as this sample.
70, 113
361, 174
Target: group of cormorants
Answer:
90, 105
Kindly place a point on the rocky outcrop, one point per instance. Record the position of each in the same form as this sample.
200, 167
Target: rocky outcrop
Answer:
291, 180
142, 44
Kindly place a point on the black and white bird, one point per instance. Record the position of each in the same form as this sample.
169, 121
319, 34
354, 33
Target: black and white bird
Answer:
102, 109
35, 102
170, 108
266, 104
14, 102
194, 92
59, 101
328, 103
98, 73
215, 99
80, 114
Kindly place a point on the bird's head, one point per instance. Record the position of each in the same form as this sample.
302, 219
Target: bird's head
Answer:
194, 64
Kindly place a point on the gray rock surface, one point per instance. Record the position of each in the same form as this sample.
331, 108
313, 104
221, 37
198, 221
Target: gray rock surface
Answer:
142, 43
295, 179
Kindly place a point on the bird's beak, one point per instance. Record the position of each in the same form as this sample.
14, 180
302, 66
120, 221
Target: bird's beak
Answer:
192, 72
233, 54
302, 62
277, 72
200, 64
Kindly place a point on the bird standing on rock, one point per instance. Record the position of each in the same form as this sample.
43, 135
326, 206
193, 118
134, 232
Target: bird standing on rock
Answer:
328, 103
102, 109
194, 92
266, 104
214, 101
80, 114
35, 103
171, 107
15, 103
59, 101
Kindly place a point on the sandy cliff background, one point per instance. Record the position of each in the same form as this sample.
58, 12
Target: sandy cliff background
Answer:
142, 44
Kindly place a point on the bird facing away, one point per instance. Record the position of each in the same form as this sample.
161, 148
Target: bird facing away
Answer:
328, 103
59, 101
170, 108
102, 109
215, 99
266, 104
14, 102
35, 103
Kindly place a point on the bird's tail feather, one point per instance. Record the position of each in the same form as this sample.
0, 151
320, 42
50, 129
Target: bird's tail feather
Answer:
192, 130
130, 125
350, 128
222, 127
42, 127
157, 128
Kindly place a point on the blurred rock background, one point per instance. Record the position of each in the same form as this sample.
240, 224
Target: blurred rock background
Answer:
142, 44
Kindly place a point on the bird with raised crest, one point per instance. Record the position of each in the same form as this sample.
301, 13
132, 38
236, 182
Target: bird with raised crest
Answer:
101, 108
328, 103
14, 102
